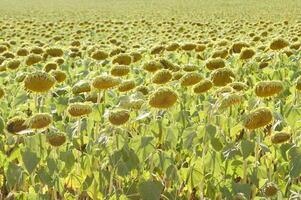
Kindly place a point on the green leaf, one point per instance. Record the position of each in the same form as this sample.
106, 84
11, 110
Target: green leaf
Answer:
172, 173
216, 144
150, 190
96, 114
68, 158
295, 163
195, 177
21, 99
13, 174
284, 149
88, 182
51, 164
30, 160
242, 188
45, 177
130, 158
1, 125
188, 138
247, 147
211, 130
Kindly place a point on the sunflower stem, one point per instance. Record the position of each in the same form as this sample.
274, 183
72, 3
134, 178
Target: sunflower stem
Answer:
81, 136
245, 164
97, 123
41, 145
160, 127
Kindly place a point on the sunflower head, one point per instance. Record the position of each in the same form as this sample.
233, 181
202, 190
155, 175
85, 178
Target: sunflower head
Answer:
163, 98
258, 118
40, 121
162, 76
120, 70
280, 137
202, 87
126, 86
278, 43
16, 125
190, 78
119, 116
59, 75
79, 109
268, 88
39, 81
56, 139
222, 76
104, 82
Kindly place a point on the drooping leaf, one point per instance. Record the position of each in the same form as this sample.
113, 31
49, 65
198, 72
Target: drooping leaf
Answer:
13, 174
30, 160
247, 147
150, 190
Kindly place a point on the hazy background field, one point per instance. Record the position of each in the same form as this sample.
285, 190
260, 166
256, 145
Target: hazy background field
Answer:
287, 9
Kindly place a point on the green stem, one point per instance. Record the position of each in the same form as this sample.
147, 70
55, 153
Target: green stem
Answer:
79, 134
117, 140
245, 164
36, 102
229, 122
41, 144
203, 168
103, 106
160, 127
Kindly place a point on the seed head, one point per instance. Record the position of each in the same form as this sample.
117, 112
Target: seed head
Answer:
202, 87
152, 66
99, 55
39, 82
40, 121
190, 78
50, 66
33, 59
258, 118
162, 76
55, 52
268, 88
81, 87
56, 139
280, 137
163, 98
79, 109
246, 54
222, 76
126, 86
13, 64
16, 125
215, 63
278, 43
119, 116
122, 59
59, 75
104, 82
120, 70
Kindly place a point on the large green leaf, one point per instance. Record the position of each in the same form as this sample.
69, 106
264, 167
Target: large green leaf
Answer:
247, 147
45, 177
13, 174
68, 158
216, 144
30, 160
211, 130
150, 190
1, 125
295, 162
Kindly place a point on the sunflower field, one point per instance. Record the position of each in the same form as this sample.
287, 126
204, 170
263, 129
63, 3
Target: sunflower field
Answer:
150, 99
